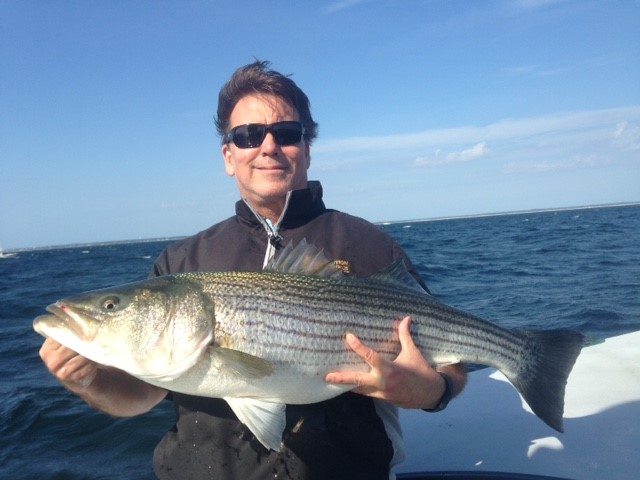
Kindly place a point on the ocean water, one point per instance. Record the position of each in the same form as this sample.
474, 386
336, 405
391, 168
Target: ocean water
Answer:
577, 269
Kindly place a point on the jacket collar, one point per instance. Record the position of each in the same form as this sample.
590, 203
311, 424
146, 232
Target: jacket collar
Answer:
301, 207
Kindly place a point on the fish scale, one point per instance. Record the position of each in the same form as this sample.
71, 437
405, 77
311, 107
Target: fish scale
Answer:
317, 312
291, 311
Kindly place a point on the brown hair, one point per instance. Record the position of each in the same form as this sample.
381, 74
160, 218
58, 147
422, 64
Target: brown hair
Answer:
258, 78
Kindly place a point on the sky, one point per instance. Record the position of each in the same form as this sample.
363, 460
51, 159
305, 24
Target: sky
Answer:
427, 108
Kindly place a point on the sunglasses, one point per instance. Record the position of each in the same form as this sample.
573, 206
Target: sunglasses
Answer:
252, 135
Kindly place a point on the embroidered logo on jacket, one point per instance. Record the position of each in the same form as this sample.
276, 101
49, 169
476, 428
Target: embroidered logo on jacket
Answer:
343, 265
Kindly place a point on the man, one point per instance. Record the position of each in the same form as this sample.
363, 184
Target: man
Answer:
265, 123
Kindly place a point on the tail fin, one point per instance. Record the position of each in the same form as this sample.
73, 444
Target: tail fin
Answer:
542, 376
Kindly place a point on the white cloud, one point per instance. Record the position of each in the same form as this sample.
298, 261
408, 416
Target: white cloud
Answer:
536, 144
532, 130
477, 151
627, 137
620, 128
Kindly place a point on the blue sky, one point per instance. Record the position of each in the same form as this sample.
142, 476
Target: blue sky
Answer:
427, 108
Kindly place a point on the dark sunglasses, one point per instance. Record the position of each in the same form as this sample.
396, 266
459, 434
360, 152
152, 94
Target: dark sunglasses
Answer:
252, 135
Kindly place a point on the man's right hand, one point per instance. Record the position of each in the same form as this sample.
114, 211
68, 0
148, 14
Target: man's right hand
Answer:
106, 389
71, 369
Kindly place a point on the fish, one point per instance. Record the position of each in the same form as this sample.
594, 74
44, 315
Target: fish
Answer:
261, 340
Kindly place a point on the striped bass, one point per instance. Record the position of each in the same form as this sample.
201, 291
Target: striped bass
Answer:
261, 340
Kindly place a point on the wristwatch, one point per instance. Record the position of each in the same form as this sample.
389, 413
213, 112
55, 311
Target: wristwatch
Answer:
446, 396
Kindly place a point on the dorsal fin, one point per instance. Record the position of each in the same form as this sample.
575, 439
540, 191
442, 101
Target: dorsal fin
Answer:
307, 259
304, 259
398, 275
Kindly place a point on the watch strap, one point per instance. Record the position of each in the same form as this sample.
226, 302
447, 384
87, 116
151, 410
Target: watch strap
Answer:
446, 396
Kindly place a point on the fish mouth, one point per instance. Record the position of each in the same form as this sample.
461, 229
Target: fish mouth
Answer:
65, 318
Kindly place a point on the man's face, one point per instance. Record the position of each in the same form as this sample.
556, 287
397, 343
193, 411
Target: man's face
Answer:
266, 173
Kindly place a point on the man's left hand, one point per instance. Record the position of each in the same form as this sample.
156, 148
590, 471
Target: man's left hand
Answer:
409, 381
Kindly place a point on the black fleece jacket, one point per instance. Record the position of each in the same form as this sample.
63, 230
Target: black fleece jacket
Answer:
344, 437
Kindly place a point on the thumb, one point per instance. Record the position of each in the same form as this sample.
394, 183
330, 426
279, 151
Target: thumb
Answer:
404, 334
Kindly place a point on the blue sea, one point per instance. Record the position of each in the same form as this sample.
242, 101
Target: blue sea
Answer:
577, 269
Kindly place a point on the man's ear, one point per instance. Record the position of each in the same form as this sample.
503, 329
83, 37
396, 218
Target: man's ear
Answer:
227, 156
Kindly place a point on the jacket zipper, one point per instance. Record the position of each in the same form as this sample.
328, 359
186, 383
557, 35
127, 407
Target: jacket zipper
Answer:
273, 237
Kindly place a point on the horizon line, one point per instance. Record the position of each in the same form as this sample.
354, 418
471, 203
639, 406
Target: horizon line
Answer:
385, 222
509, 212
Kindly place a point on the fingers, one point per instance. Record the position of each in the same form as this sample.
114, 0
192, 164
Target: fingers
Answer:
54, 355
404, 334
367, 383
370, 356
408, 381
66, 365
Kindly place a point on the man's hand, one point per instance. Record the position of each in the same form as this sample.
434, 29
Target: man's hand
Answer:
104, 388
71, 369
408, 381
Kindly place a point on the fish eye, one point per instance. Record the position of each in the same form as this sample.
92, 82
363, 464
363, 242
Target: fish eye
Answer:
110, 303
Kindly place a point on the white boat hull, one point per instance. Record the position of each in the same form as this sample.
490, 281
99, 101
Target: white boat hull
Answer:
489, 429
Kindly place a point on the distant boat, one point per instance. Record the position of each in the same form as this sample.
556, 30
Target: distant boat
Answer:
4, 254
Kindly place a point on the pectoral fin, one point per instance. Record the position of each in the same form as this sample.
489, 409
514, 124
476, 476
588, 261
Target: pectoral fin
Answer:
232, 362
266, 420
241, 364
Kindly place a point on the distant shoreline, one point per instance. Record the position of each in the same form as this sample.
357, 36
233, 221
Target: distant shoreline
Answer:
94, 244
389, 222
512, 212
